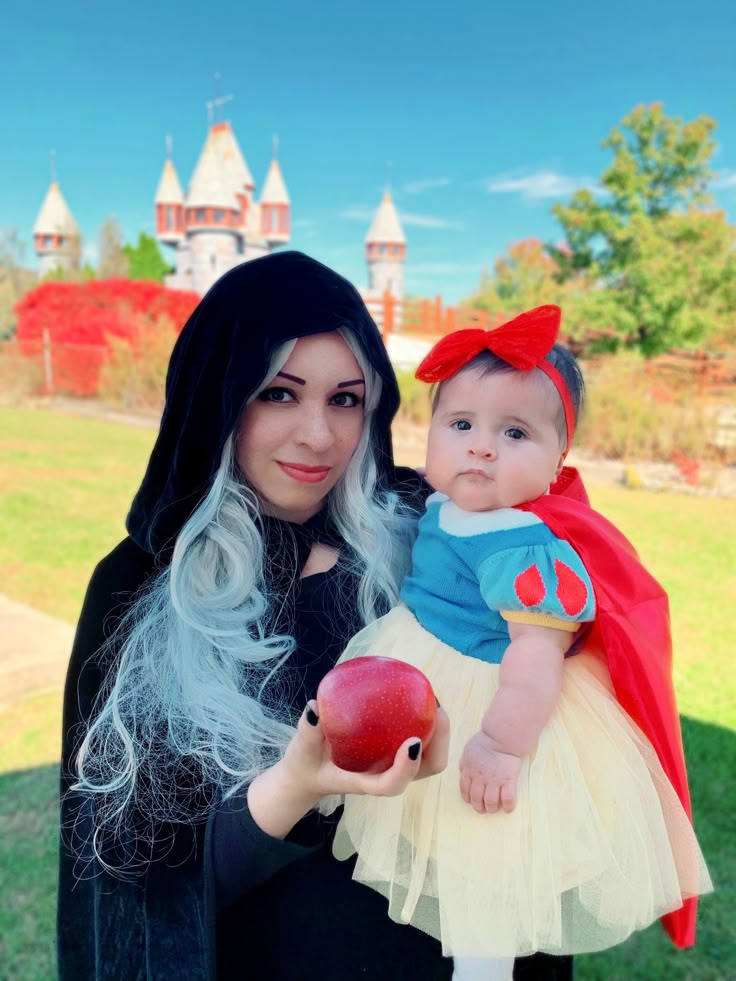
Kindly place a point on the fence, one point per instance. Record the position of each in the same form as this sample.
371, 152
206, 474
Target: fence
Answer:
713, 373
408, 328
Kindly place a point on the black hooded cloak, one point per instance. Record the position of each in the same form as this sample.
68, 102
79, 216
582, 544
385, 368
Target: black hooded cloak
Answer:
227, 900
164, 924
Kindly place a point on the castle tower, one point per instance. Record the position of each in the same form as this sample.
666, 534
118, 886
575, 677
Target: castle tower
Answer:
221, 222
169, 203
385, 251
56, 236
275, 207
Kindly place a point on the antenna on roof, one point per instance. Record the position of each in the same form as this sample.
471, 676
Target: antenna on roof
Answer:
52, 155
169, 145
389, 165
217, 102
275, 146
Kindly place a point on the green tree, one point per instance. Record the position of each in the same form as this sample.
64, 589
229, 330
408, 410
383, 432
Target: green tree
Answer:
526, 276
145, 260
112, 261
653, 256
15, 280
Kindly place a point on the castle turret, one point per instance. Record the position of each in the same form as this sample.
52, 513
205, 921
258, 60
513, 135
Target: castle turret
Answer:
221, 224
169, 202
275, 207
56, 236
385, 251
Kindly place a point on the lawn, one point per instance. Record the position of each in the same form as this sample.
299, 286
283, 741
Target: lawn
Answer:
65, 486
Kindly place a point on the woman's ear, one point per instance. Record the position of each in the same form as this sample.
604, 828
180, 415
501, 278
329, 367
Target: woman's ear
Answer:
560, 465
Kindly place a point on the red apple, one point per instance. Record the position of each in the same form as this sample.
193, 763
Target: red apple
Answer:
368, 706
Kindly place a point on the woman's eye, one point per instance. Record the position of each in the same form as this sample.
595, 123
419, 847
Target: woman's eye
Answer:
515, 433
346, 400
462, 425
276, 395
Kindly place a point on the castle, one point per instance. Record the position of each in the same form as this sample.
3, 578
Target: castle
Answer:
219, 223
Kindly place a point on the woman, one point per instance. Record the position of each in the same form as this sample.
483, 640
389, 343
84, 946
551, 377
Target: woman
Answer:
270, 525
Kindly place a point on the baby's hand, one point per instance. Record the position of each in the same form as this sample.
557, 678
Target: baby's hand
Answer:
488, 777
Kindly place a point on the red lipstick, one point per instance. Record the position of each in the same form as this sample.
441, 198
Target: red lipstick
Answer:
302, 473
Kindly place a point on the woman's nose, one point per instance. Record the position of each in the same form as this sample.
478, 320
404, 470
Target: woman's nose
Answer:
315, 432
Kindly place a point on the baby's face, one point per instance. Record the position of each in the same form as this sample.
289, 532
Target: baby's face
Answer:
493, 442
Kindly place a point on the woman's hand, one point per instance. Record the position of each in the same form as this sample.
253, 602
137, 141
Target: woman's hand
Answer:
308, 761
282, 795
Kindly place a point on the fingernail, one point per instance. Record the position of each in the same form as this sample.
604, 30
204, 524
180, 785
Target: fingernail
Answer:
312, 717
414, 750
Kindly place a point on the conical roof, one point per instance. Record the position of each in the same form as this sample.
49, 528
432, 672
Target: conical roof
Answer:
221, 171
55, 218
386, 226
274, 190
169, 189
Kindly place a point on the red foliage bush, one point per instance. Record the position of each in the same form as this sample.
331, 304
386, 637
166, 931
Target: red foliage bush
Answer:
81, 317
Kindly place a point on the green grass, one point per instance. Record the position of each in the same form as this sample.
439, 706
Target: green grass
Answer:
66, 484
65, 487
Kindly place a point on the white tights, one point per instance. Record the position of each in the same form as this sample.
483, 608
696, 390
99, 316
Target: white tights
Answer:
483, 969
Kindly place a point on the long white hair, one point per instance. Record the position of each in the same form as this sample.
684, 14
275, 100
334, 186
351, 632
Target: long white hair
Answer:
185, 717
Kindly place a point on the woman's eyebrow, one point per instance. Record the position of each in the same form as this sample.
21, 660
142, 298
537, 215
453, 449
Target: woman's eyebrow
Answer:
293, 378
355, 381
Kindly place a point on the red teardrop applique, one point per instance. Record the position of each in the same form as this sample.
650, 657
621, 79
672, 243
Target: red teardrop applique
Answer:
571, 590
529, 586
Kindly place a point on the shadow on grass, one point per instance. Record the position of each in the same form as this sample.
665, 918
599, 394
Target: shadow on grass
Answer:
29, 850
29, 819
649, 956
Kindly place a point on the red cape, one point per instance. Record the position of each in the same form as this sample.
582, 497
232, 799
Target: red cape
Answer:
632, 631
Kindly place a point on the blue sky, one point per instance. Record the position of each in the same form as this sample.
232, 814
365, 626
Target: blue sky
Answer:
487, 111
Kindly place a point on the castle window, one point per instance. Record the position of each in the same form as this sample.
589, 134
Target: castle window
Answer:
47, 241
218, 215
169, 216
62, 240
199, 215
383, 249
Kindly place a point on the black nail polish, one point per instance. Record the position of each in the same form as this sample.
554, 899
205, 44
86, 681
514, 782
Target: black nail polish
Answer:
312, 717
414, 751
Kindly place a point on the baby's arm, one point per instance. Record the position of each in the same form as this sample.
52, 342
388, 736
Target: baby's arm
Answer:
529, 683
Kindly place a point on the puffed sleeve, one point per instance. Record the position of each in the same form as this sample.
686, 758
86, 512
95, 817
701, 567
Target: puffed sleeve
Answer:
542, 584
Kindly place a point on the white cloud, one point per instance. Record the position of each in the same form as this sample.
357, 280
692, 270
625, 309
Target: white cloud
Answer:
361, 213
428, 221
726, 179
535, 187
429, 184
303, 223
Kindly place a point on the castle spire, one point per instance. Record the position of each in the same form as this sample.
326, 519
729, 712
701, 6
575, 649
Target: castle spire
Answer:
55, 232
275, 203
385, 249
169, 201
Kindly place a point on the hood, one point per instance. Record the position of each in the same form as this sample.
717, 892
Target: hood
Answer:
221, 357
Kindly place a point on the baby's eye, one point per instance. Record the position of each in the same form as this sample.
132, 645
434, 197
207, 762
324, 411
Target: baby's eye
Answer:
515, 433
462, 425
276, 395
346, 400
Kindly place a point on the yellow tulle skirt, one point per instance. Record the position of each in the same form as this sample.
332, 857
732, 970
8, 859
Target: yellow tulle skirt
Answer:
598, 845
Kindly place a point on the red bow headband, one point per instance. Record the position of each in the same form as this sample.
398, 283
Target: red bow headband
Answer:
523, 342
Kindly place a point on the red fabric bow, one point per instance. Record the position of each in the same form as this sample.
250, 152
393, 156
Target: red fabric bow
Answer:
523, 342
